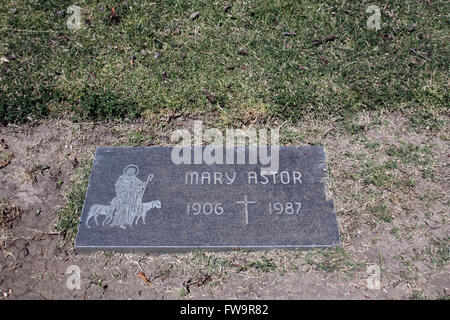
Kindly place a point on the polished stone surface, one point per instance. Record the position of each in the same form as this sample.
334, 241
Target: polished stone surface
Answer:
200, 206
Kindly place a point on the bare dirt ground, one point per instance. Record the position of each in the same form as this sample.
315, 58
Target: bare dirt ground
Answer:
391, 203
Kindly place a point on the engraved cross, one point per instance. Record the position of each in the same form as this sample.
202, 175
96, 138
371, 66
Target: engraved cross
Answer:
245, 202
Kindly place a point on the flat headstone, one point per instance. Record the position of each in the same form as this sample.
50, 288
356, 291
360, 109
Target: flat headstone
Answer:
219, 207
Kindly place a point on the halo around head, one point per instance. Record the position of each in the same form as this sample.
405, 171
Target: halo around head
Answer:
136, 169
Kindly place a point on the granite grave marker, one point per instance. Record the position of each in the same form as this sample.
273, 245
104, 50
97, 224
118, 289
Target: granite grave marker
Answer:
138, 200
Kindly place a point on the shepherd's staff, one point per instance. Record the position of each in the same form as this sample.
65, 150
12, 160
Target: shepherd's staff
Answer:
139, 198
150, 177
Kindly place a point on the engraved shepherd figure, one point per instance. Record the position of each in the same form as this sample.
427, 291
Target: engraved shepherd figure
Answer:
127, 205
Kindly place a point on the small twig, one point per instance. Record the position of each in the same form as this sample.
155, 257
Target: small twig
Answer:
419, 54
135, 262
241, 275
52, 233
23, 30
324, 40
327, 132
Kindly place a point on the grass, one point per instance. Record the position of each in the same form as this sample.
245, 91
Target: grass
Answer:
439, 251
382, 212
9, 213
95, 279
418, 295
237, 69
240, 57
69, 215
333, 260
5, 158
380, 175
100, 104
409, 153
209, 262
182, 292
265, 264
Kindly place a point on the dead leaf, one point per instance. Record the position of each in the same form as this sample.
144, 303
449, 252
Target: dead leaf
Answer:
202, 280
226, 7
3, 144
209, 96
243, 52
5, 158
324, 40
387, 36
4, 163
324, 60
194, 15
9, 215
165, 76
74, 162
302, 67
288, 33
186, 284
157, 55
144, 277
114, 17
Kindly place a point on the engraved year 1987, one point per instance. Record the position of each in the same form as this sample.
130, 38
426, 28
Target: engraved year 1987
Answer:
216, 208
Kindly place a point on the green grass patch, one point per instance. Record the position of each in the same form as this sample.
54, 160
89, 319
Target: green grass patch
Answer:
209, 262
381, 211
108, 69
101, 104
69, 215
439, 251
426, 119
420, 157
409, 153
418, 295
332, 260
380, 175
265, 264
